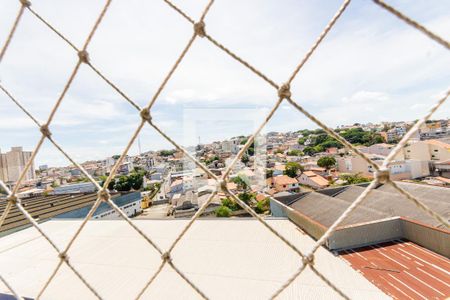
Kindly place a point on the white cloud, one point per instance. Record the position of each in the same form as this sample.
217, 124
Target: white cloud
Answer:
370, 67
366, 97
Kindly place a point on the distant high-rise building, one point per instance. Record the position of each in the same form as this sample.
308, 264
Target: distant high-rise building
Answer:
12, 164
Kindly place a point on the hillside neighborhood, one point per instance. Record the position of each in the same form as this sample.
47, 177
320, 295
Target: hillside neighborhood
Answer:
277, 164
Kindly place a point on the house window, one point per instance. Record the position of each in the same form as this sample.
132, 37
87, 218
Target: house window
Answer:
284, 185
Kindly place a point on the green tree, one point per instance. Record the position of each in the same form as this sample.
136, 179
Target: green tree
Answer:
295, 153
302, 140
136, 180
278, 151
123, 184
242, 181
269, 173
246, 197
309, 151
305, 132
292, 169
353, 178
251, 149
222, 212
230, 203
167, 152
326, 162
245, 159
212, 159
111, 183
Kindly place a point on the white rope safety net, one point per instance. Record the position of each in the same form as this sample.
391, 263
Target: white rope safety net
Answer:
283, 93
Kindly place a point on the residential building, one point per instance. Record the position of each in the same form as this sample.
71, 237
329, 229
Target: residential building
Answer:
379, 149
13, 162
396, 133
429, 150
441, 168
311, 179
399, 169
83, 187
434, 130
283, 183
231, 146
279, 169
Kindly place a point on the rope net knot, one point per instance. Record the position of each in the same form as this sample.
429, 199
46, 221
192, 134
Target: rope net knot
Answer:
12, 199
382, 175
83, 55
284, 91
25, 3
63, 256
221, 186
104, 195
308, 259
166, 257
45, 131
199, 29
145, 115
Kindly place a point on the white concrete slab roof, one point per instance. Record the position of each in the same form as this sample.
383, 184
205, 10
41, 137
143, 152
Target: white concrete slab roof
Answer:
226, 259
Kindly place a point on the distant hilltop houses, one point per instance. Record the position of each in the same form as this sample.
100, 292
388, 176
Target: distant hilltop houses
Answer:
299, 155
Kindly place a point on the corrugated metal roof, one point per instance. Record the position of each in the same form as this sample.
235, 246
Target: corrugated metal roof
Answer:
381, 203
226, 259
44, 207
325, 210
403, 270
391, 203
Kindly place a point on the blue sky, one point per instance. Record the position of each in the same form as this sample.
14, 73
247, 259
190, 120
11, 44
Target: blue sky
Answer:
371, 67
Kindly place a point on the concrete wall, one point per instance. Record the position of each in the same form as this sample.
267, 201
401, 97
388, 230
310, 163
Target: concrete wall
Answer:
418, 168
308, 225
417, 151
365, 234
370, 233
277, 209
428, 237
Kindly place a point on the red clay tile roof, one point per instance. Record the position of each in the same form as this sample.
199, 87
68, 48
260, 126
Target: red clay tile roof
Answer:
284, 179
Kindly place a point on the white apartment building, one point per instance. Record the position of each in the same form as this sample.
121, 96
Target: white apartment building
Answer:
399, 169
12, 164
396, 133
429, 150
378, 149
130, 209
231, 146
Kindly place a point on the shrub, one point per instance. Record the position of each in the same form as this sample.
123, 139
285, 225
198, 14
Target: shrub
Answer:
263, 206
230, 203
223, 212
246, 197
353, 178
